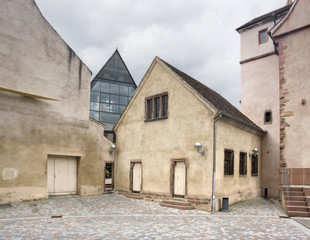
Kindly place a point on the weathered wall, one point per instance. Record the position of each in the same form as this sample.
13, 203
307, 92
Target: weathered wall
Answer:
260, 93
35, 60
237, 187
156, 143
249, 42
295, 86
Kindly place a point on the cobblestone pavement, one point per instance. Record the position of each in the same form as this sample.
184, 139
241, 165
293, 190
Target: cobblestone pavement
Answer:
113, 216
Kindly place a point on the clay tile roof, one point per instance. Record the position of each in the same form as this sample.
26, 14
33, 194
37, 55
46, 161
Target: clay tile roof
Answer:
213, 98
277, 13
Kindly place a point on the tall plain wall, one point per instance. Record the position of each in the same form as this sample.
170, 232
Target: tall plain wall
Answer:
35, 61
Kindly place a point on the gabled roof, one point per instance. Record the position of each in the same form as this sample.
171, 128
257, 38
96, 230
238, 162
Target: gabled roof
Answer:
115, 69
268, 17
213, 98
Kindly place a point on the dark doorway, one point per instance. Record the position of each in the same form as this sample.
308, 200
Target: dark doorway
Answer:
109, 176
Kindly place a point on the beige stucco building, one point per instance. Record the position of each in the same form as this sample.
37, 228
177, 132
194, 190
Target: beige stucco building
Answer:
275, 55
48, 144
167, 115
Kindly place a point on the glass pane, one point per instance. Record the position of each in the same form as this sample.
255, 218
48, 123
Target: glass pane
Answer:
96, 87
121, 108
105, 87
105, 97
123, 100
131, 90
149, 109
94, 106
114, 99
94, 115
157, 107
114, 89
95, 97
114, 108
104, 107
165, 105
124, 90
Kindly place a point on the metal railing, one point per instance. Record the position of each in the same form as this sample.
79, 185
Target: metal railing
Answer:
285, 182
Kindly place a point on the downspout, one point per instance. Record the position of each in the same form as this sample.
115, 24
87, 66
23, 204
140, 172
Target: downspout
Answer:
275, 44
220, 115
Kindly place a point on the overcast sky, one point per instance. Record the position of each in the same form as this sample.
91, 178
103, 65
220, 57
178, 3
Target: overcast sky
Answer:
196, 36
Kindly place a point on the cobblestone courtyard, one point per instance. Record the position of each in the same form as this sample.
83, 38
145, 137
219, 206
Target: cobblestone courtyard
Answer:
112, 216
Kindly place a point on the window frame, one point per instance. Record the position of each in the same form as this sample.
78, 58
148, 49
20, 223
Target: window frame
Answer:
265, 30
243, 166
155, 109
230, 169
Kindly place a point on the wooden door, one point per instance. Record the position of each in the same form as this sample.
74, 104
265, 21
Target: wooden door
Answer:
179, 179
136, 177
62, 173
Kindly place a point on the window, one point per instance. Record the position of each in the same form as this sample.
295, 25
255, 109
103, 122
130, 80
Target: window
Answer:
156, 107
254, 167
268, 117
242, 163
229, 162
262, 36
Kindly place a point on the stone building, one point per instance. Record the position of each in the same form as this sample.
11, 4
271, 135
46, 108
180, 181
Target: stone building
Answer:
168, 115
275, 76
48, 143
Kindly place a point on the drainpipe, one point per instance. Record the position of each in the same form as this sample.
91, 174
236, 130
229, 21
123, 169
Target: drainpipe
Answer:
274, 43
220, 115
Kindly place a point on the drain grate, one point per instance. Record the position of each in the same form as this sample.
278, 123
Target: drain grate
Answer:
56, 216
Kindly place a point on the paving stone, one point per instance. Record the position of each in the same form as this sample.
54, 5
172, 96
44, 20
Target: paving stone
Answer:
113, 216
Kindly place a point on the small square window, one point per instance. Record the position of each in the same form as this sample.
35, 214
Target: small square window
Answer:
156, 107
268, 117
262, 36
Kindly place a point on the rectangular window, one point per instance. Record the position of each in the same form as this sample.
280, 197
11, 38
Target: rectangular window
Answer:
156, 107
94, 106
229, 162
95, 96
254, 165
124, 90
268, 117
105, 87
262, 36
242, 163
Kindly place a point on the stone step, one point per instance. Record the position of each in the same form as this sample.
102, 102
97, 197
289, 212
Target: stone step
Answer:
296, 203
294, 193
298, 214
178, 206
295, 198
307, 192
132, 195
176, 202
295, 189
297, 208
